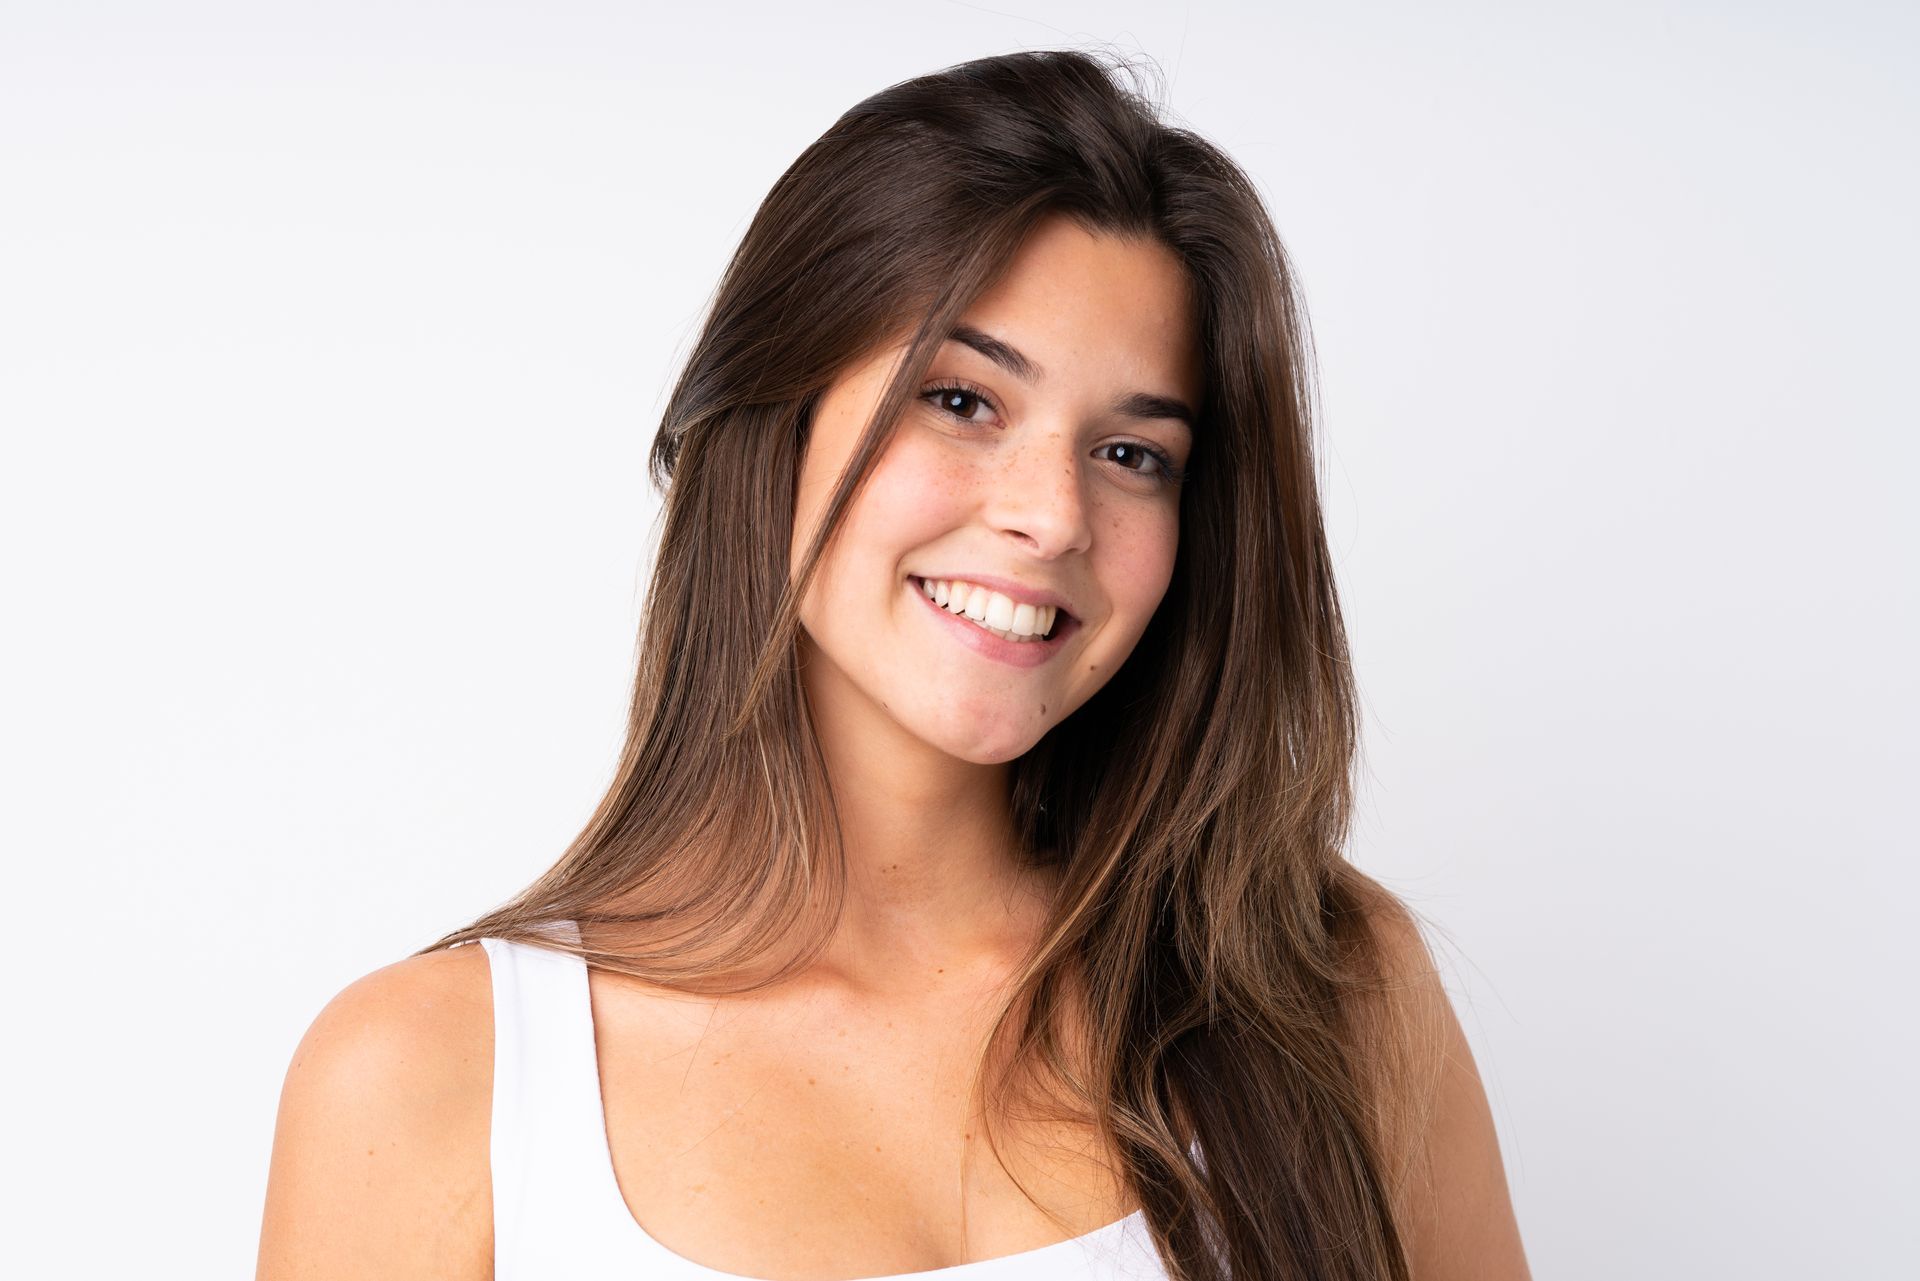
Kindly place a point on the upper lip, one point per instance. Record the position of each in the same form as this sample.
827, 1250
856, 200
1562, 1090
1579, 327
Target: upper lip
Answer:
1016, 591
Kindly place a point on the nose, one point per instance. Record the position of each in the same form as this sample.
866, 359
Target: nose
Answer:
1039, 497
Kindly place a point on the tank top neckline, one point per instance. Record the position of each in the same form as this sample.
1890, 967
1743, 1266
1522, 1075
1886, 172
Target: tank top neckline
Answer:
608, 1180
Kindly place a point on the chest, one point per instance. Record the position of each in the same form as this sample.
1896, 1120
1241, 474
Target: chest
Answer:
798, 1137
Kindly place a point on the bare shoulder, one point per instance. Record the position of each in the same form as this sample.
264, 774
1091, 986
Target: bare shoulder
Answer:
1459, 1219
379, 1164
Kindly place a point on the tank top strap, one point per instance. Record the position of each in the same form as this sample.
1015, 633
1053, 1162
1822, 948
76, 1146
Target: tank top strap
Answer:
551, 1170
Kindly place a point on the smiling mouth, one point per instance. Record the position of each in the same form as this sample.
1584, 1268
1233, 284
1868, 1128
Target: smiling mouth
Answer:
1058, 624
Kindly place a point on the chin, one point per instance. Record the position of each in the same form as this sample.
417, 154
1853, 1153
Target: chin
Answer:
993, 745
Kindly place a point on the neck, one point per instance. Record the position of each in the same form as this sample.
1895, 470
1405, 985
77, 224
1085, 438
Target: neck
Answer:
935, 885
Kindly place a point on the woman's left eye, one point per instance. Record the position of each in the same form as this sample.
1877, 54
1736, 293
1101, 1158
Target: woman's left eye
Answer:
1138, 455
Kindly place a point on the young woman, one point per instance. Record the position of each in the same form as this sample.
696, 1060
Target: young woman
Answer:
970, 899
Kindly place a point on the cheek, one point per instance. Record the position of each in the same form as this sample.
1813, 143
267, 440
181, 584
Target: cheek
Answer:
837, 423
917, 492
1136, 546
913, 495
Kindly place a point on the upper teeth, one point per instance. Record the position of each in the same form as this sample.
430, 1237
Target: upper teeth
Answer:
991, 609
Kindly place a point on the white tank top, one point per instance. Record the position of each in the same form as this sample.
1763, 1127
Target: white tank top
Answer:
557, 1207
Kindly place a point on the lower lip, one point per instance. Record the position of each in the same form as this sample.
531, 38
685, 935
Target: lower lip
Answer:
983, 642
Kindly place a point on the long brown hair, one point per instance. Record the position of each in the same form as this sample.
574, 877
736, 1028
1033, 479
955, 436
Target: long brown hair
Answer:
1242, 1053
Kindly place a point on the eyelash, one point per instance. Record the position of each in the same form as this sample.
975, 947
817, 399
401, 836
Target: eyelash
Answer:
1168, 475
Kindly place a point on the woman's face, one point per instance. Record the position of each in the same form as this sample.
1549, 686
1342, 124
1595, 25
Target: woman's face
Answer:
1035, 466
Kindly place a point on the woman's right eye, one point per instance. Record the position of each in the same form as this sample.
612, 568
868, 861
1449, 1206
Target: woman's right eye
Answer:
955, 400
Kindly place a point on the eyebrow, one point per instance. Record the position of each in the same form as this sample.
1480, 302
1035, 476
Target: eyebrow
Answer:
1138, 404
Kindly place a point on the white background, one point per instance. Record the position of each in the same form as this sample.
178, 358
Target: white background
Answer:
332, 337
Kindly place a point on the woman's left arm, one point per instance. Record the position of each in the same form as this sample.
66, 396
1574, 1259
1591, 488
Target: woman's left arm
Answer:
1458, 1220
